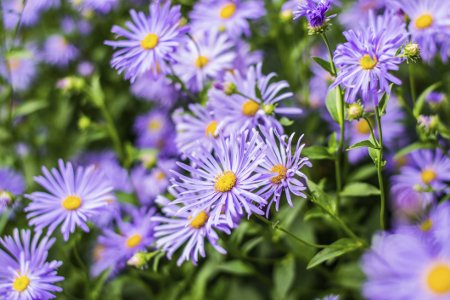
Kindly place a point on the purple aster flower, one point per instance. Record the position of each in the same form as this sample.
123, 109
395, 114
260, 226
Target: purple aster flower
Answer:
118, 246
189, 228
256, 101
195, 129
152, 129
435, 98
108, 165
72, 198
369, 55
409, 265
429, 26
226, 15
149, 40
203, 59
20, 70
15, 11
12, 184
320, 81
245, 57
223, 182
159, 90
284, 169
58, 51
25, 272
314, 11
71, 26
101, 6
359, 10
85, 68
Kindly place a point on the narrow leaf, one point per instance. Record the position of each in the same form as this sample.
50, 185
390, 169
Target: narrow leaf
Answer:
365, 143
359, 189
421, 99
316, 152
334, 250
324, 64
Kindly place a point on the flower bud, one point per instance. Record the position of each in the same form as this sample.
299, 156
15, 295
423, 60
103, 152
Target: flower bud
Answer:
429, 123
84, 122
355, 111
138, 260
6, 199
412, 52
268, 108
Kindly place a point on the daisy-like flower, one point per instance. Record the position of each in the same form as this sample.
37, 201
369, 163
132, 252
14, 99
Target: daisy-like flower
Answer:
159, 90
131, 236
245, 57
314, 11
20, 69
12, 185
410, 264
149, 40
195, 128
152, 129
359, 10
58, 51
369, 55
101, 6
25, 272
288, 8
255, 102
427, 169
284, 168
204, 59
223, 183
189, 228
429, 26
73, 197
230, 16
15, 11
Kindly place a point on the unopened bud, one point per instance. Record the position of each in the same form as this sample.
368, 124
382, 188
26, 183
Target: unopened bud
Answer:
429, 123
138, 260
84, 122
412, 52
6, 199
355, 111
70, 83
268, 108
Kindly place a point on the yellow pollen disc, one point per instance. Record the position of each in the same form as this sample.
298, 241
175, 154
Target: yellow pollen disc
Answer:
250, 108
225, 182
71, 202
199, 220
428, 175
228, 10
21, 283
201, 62
426, 225
160, 176
368, 63
438, 279
150, 41
362, 127
134, 240
154, 125
14, 64
211, 129
281, 170
424, 21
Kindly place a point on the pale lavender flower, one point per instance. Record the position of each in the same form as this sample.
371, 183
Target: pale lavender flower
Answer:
58, 51
101, 6
158, 89
358, 12
153, 129
20, 69
12, 184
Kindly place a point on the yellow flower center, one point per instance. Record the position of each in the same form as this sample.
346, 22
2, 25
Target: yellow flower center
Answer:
211, 129
228, 10
160, 176
426, 225
438, 279
281, 170
14, 64
154, 125
21, 283
428, 175
424, 21
199, 220
201, 62
367, 62
71, 202
149, 41
362, 127
225, 182
250, 108
134, 240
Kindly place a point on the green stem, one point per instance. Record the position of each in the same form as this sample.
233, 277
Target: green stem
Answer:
113, 133
3, 220
379, 169
340, 107
372, 132
412, 83
277, 226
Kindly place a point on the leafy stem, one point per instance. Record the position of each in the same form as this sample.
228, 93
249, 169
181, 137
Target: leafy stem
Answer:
380, 168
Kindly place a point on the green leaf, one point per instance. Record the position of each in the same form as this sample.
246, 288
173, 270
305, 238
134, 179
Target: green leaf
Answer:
324, 64
362, 173
321, 198
384, 101
284, 275
334, 250
365, 143
332, 144
331, 103
359, 189
443, 130
413, 147
373, 153
236, 267
314, 213
316, 152
286, 122
421, 99
30, 107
